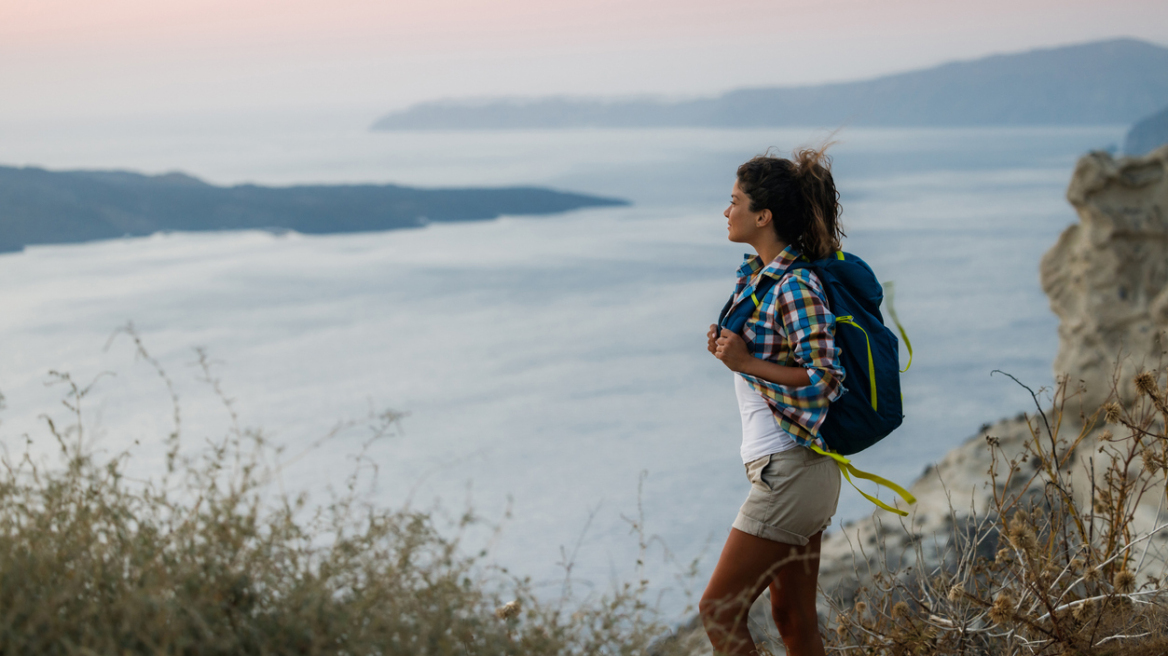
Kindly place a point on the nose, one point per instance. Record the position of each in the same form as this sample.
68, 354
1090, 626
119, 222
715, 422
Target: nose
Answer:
726, 213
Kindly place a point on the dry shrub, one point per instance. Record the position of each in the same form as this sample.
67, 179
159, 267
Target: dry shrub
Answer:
208, 559
1060, 564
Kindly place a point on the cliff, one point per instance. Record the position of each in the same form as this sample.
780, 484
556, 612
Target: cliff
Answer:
1107, 276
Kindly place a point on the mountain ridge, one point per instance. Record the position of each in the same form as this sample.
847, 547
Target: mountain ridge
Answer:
1126, 79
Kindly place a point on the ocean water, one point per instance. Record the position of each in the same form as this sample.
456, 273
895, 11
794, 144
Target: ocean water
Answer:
551, 367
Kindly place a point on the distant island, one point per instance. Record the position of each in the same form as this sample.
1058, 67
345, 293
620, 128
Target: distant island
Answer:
41, 207
1148, 134
1102, 83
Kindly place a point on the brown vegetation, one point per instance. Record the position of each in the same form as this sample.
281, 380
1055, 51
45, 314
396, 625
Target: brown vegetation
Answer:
1067, 561
208, 559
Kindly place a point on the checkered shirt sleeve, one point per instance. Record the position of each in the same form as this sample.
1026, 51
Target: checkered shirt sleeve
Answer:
794, 327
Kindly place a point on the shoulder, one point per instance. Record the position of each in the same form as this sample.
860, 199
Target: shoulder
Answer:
800, 298
801, 280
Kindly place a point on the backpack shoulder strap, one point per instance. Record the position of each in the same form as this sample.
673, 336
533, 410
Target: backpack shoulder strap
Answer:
734, 316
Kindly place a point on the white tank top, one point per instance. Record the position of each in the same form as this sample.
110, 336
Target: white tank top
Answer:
761, 435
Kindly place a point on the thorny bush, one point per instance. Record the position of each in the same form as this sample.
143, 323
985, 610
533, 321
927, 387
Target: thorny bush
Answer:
1067, 560
207, 559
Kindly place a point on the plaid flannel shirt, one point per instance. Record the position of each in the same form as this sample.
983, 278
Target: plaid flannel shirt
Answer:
792, 326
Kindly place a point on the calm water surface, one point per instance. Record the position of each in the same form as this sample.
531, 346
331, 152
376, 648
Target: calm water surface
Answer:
545, 362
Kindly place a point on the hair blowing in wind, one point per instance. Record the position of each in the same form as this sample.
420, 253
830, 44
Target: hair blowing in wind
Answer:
800, 192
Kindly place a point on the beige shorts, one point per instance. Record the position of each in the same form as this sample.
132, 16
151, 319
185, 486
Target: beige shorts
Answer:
793, 495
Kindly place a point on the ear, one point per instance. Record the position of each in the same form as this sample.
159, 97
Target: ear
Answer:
764, 218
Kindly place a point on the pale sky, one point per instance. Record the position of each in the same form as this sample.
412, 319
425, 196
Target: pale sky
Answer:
125, 57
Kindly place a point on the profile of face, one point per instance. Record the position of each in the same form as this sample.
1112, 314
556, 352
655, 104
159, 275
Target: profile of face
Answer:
744, 225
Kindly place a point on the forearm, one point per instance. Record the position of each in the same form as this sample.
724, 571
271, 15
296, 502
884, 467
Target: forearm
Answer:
775, 373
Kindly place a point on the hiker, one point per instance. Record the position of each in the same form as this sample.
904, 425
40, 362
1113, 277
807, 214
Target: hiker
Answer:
786, 372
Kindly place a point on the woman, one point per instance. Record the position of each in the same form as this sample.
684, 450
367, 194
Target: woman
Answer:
787, 371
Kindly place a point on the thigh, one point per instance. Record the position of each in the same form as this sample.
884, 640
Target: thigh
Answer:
748, 564
796, 583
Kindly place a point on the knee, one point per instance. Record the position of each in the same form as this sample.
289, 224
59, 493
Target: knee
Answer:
712, 609
707, 608
720, 610
716, 626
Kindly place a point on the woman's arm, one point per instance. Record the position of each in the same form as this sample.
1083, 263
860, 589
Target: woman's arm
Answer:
732, 351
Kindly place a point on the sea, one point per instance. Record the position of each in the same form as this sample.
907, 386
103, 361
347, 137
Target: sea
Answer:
550, 371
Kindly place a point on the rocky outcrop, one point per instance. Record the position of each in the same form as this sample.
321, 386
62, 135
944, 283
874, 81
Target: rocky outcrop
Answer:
1107, 276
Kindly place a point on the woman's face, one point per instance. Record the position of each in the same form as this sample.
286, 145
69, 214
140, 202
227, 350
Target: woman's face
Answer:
742, 223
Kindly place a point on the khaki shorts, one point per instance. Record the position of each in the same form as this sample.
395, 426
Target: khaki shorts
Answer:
793, 495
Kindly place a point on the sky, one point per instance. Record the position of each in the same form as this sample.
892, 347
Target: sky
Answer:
73, 58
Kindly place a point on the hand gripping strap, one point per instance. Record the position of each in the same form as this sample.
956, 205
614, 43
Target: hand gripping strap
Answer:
846, 466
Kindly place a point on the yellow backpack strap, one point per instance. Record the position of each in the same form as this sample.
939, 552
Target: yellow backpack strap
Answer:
889, 291
850, 320
850, 470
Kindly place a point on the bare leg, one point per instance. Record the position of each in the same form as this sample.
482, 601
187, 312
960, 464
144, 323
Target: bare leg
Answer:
748, 565
793, 593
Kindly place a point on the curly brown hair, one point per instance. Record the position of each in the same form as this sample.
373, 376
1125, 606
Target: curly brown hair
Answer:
801, 195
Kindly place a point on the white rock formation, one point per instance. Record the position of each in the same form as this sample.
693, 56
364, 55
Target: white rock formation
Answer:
1107, 277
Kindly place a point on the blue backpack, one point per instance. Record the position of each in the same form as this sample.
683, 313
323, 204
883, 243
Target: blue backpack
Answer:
870, 408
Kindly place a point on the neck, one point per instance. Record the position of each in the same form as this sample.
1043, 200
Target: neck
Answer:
769, 249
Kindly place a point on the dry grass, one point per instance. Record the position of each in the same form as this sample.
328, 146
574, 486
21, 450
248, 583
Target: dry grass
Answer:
208, 559
1067, 561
